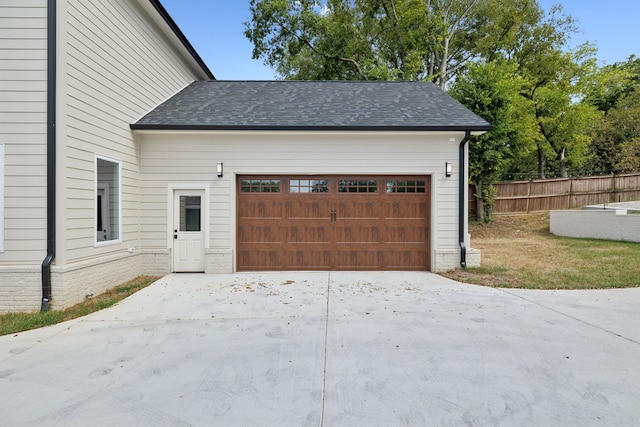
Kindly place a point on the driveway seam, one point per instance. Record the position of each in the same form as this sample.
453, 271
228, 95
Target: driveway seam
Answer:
326, 339
571, 317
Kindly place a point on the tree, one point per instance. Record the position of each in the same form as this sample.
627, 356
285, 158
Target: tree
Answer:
616, 146
555, 82
613, 82
491, 90
383, 39
615, 93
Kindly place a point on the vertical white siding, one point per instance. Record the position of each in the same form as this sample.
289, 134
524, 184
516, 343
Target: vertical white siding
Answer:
173, 158
23, 77
117, 66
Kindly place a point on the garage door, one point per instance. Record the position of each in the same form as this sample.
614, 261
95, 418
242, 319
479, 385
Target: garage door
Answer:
333, 223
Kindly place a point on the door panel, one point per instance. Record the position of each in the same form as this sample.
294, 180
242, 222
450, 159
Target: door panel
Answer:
188, 233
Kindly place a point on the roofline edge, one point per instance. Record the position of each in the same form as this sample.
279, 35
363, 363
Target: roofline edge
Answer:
472, 129
183, 39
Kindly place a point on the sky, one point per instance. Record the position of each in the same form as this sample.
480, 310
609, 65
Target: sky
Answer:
215, 29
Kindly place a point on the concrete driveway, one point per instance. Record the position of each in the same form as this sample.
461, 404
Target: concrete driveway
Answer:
331, 349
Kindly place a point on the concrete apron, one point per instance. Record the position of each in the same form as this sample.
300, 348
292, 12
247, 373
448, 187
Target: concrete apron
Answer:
331, 349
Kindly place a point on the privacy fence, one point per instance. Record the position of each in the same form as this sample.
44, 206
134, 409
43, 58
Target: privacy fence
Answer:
522, 197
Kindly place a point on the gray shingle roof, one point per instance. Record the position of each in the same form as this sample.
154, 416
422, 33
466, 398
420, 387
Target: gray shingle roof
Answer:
311, 105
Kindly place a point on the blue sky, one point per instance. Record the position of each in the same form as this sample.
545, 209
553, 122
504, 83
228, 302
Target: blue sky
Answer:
215, 29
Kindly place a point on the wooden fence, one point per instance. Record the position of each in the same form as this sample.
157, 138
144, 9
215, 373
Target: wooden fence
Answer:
522, 197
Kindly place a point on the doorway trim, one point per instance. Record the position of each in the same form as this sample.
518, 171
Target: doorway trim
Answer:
187, 186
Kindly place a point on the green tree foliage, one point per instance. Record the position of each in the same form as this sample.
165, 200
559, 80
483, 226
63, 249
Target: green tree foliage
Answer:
383, 39
555, 79
625, 117
616, 146
492, 90
613, 82
616, 92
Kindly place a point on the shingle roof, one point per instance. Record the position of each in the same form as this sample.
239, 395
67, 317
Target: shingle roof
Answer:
311, 105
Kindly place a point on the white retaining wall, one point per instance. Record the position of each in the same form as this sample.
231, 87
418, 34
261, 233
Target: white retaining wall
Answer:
604, 224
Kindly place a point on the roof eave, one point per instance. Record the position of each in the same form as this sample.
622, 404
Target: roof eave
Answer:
476, 130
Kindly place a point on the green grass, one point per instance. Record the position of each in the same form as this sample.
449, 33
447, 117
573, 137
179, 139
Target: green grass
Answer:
11, 323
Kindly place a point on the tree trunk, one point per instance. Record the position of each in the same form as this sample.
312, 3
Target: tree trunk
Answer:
480, 210
541, 162
443, 64
563, 165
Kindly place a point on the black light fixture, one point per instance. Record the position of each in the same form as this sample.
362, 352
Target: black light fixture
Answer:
447, 169
220, 169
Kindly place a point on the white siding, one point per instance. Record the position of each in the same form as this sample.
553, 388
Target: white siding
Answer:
173, 158
23, 77
1, 198
118, 65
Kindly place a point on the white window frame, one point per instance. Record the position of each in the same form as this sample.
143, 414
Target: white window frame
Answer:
1, 197
100, 185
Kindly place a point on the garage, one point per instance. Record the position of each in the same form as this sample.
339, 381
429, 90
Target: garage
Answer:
333, 223
309, 175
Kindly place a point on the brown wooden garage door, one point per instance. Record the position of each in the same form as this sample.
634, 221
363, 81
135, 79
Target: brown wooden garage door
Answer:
333, 223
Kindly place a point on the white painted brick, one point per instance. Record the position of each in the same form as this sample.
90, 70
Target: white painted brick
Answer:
596, 224
20, 288
218, 261
449, 259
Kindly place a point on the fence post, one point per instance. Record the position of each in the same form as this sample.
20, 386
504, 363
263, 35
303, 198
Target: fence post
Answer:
528, 194
570, 204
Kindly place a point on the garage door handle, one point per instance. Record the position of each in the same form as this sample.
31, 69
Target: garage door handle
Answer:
333, 215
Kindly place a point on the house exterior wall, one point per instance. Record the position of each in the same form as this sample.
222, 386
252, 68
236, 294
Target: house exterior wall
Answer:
116, 60
23, 122
171, 158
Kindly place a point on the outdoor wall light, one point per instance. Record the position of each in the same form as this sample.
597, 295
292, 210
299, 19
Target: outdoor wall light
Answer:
447, 169
220, 169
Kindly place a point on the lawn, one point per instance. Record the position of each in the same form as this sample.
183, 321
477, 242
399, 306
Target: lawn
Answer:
520, 252
16, 322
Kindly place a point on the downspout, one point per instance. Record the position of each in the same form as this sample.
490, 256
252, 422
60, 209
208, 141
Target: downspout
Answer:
463, 194
51, 155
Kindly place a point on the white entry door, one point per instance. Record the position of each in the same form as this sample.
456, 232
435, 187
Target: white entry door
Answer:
188, 231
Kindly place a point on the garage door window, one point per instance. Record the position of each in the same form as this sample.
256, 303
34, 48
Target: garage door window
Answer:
358, 186
308, 186
260, 186
402, 186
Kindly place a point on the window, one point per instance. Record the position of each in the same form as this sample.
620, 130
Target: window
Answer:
308, 186
402, 186
108, 201
1, 197
260, 186
190, 207
358, 186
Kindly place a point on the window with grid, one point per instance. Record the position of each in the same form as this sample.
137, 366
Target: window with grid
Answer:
406, 186
260, 186
358, 186
308, 186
